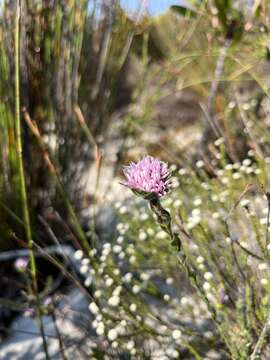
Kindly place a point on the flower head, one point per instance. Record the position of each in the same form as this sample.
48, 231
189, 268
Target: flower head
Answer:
47, 302
29, 312
47, 306
21, 264
148, 176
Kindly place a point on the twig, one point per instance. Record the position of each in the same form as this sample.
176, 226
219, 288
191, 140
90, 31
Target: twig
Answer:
98, 158
248, 252
76, 223
58, 334
218, 73
259, 345
214, 87
246, 190
267, 195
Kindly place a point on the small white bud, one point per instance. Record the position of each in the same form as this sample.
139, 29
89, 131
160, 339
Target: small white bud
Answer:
176, 334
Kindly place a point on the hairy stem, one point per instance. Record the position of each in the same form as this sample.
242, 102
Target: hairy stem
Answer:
164, 220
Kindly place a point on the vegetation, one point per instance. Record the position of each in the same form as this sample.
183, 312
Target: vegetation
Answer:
85, 89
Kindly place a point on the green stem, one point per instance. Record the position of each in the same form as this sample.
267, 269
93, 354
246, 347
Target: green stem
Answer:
164, 220
25, 211
19, 147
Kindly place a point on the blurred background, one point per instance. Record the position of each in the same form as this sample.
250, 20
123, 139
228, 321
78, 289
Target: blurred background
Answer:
101, 83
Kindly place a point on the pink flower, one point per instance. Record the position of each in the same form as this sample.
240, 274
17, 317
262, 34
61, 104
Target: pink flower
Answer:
21, 264
29, 312
47, 302
148, 176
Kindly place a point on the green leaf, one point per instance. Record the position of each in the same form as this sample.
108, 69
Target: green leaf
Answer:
184, 11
